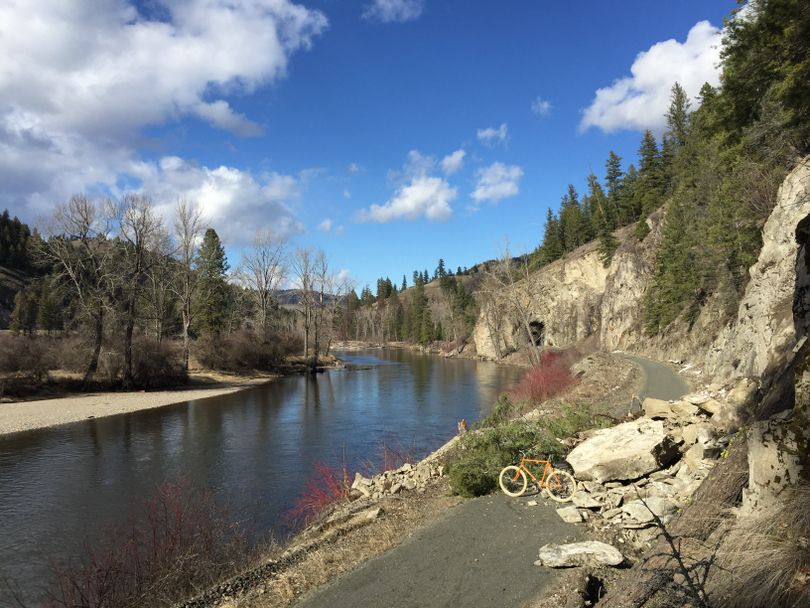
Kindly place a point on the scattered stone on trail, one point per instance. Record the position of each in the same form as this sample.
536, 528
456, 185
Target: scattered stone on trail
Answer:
587, 553
570, 515
626, 451
532, 503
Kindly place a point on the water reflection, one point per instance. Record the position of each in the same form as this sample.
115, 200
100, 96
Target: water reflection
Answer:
254, 448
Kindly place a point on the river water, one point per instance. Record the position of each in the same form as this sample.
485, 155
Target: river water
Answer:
255, 449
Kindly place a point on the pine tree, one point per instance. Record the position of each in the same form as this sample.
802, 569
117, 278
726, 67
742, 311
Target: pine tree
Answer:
573, 229
404, 284
212, 294
551, 249
678, 116
49, 316
24, 314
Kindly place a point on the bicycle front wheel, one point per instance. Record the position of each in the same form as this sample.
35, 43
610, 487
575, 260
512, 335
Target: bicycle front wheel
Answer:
513, 481
560, 486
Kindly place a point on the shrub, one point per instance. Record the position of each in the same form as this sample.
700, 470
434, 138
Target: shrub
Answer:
156, 363
548, 378
27, 356
482, 454
327, 486
179, 542
503, 411
72, 353
243, 351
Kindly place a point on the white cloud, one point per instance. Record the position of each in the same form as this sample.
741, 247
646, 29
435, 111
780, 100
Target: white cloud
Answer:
325, 225
541, 106
346, 194
423, 196
79, 80
354, 168
234, 202
491, 135
389, 11
640, 101
453, 162
496, 182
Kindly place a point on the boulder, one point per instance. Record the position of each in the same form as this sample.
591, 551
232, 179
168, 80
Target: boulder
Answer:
711, 406
657, 408
684, 409
589, 501
360, 481
640, 512
697, 398
691, 432
743, 394
626, 451
570, 515
588, 553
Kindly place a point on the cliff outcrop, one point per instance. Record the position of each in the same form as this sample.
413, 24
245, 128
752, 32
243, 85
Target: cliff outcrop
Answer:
577, 297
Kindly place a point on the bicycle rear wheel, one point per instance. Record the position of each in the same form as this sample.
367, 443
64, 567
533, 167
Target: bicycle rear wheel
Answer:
560, 486
513, 481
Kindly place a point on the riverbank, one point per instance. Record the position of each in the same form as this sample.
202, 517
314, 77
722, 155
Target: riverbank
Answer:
29, 415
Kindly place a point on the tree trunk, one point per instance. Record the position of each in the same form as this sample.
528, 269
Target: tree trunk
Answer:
127, 379
98, 330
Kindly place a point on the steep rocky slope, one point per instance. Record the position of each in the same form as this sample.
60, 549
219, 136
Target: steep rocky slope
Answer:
577, 297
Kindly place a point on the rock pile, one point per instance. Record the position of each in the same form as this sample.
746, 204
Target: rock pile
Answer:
649, 467
408, 477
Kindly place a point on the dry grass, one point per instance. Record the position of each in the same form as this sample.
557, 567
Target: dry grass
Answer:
340, 555
765, 559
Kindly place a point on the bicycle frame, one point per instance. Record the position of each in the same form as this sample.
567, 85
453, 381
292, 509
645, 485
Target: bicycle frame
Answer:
547, 470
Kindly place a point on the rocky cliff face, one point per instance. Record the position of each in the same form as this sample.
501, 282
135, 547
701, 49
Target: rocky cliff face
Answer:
577, 297
562, 300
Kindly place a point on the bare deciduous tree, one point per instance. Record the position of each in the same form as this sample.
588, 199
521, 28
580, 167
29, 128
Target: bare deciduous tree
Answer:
303, 267
262, 270
187, 230
139, 230
78, 246
513, 280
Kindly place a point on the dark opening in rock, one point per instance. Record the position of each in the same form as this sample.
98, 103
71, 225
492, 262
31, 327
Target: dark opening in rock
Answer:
538, 329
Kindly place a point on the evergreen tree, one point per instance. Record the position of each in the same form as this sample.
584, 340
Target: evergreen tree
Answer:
573, 229
551, 249
24, 314
49, 314
678, 116
212, 295
441, 272
404, 283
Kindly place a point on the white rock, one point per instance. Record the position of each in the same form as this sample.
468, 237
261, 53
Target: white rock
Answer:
570, 515
587, 553
657, 408
640, 512
588, 501
626, 451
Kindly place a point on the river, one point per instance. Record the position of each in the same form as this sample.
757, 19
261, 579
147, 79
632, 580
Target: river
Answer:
255, 449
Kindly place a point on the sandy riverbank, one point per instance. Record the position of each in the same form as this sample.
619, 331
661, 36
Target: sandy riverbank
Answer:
28, 415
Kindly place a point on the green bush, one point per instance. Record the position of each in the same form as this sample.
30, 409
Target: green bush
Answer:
503, 411
483, 453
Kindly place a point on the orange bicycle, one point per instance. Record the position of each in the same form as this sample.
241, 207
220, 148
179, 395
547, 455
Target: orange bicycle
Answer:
559, 485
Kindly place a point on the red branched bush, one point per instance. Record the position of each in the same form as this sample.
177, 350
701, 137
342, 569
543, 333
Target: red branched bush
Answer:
546, 379
327, 486
180, 542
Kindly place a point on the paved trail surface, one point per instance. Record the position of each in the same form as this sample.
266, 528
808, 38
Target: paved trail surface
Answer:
478, 555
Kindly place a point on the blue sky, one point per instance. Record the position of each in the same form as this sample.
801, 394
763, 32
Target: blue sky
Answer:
328, 121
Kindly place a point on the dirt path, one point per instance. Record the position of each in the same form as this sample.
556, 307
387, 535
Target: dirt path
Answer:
478, 554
